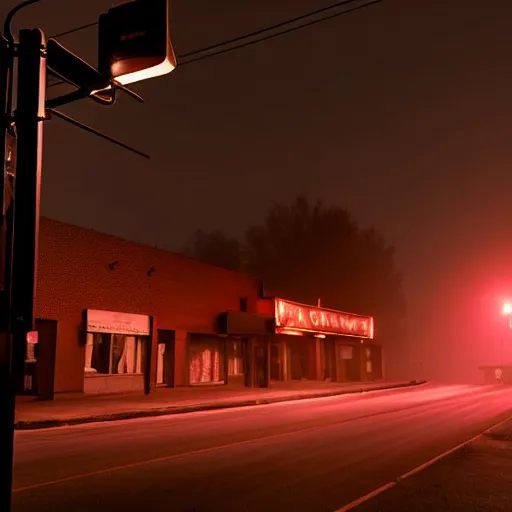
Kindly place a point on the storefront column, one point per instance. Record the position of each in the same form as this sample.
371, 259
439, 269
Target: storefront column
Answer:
250, 363
362, 362
151, 353
319, 370
285, 354
269, 355
260, 371
226, 361
365, 359
181, 359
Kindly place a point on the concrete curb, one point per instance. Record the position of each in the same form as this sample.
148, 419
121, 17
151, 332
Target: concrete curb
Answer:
165, 411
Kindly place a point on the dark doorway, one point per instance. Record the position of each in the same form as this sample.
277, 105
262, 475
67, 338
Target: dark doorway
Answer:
261, 364
276, 361
329, 360
376, 366
348, 363
43, 380
300, 358
165, 358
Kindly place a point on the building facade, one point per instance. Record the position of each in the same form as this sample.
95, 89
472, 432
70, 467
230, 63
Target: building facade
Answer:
116, 316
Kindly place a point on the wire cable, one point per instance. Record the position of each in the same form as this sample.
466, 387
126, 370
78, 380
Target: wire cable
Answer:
272, 36
77, 29
270, 27
236, 39
259, 32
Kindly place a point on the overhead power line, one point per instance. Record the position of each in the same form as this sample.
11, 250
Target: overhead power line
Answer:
77, 29
277, 34
271, 27
236, 39
242, 38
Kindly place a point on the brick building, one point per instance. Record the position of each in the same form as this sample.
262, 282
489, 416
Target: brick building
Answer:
114, 315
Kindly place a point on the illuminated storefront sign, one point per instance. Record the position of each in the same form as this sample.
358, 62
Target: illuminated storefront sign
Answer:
298, 317
117, 323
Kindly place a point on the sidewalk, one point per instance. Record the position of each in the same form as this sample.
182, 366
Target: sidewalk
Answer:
35, 414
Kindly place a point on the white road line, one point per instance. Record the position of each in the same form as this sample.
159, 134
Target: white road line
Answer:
359, 501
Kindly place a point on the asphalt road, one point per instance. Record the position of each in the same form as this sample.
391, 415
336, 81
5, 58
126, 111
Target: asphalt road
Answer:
474, 478
310, 455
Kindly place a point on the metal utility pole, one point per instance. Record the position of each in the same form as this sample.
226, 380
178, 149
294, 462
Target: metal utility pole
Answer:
20, 234
6, 388
29, 119
135, 34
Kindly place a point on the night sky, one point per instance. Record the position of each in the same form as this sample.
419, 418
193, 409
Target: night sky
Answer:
401, 112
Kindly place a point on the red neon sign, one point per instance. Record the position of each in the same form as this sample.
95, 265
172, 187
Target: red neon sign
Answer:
298, 317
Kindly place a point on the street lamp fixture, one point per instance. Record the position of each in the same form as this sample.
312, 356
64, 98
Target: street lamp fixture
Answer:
134, 41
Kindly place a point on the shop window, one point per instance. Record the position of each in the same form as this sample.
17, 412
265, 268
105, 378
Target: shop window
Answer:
235, 359
114, 354
206, 364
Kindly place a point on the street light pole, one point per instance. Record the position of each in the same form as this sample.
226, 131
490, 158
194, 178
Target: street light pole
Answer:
6, 211
29, 118
150, 55
16, 314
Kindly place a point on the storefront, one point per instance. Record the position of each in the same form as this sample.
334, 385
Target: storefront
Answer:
314, 343
293, 357
288, 341
117, 351
206, 360
249, 345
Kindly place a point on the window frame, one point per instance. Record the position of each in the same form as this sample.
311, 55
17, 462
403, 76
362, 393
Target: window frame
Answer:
139, 347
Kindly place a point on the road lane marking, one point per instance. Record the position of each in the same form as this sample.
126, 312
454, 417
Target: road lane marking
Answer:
383, 488
211, 449
172, 457
366, 497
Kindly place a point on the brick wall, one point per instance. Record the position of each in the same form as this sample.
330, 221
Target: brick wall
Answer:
74, 274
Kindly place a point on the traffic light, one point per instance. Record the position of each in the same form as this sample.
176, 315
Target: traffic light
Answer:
134, 42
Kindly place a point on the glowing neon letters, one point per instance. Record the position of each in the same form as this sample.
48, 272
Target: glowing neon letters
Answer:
299, 317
